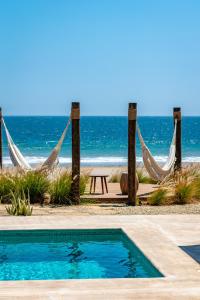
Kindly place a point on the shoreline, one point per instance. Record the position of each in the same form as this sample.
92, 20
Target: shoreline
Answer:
111, 161
101, 167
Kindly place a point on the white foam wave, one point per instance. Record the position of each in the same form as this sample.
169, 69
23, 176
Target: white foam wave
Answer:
101, 160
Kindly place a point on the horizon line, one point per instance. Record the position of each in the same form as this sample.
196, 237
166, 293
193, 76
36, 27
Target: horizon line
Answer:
171, 115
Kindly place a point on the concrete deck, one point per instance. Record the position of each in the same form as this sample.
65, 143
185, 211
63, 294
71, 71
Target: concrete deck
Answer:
160, 239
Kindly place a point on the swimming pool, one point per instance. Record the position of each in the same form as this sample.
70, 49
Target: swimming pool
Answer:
71, 254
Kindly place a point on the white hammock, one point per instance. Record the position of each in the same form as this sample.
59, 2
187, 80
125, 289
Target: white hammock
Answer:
155, 171
16, 156
19, 160
53, 157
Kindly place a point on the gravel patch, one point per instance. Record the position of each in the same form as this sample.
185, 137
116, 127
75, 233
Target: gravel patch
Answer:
111, 209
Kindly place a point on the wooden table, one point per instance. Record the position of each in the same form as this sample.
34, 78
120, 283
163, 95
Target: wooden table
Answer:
102, 176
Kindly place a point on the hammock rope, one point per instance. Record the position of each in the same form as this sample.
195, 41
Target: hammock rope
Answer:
19, 160
53, 157
154, 170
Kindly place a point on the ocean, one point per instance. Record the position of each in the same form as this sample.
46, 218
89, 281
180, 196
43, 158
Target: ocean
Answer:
103, 139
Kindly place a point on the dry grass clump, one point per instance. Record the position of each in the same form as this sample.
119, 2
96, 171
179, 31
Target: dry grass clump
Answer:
196, 188
115, 178
183, 193
84, 178
159, 197
143, 177
184, 185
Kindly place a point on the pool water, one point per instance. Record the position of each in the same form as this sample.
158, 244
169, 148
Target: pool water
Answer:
71, 254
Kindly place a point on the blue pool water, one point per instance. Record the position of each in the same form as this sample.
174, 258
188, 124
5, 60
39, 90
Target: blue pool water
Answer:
71, 254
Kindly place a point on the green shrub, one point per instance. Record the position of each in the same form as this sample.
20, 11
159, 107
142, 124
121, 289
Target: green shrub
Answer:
33, 183
196, 188
83, 182
7, 185
60, 189
143, 178
183, 192
20, 205
158, 197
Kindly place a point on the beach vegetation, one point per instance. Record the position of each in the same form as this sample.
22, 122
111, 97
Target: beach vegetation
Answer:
33, 183
60, 189
37, 185
184, 185
20, 205
183, 193
84, 178
196, 188
144, 178
7, 184
179, 188
159, 197
115, 177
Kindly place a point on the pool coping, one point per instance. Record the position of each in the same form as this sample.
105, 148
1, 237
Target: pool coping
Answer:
148, 236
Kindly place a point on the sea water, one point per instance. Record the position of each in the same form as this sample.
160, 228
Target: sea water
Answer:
103, 139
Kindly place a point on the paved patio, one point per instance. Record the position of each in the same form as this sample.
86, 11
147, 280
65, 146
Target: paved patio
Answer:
159, 237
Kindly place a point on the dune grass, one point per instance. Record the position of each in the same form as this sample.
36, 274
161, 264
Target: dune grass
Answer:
7, 185
60, 189
115, 178
159, 197
179, 188
196, 188
184, 185
142, 177
183, 193
84, 178
35, 185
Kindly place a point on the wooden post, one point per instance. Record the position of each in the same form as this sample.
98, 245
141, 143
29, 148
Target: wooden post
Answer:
1, 144
177, 116
132, 116
75, 116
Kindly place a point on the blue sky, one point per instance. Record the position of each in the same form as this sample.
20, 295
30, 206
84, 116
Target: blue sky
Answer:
103, 53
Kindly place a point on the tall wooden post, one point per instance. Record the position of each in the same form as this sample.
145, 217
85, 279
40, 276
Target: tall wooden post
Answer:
177, 117
75, 116
1, 144
132, 116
